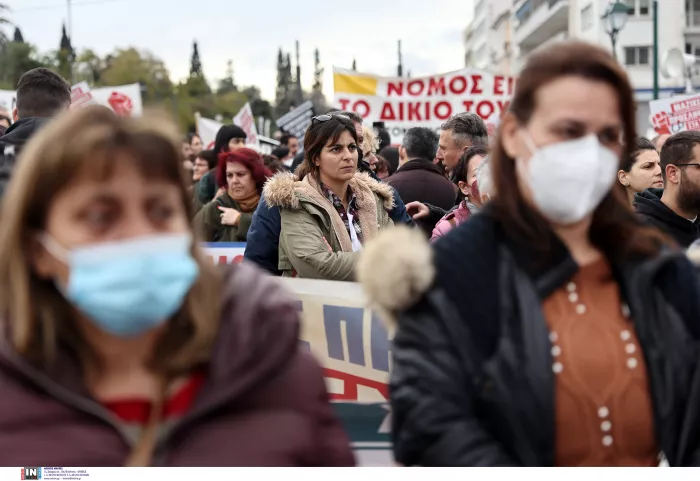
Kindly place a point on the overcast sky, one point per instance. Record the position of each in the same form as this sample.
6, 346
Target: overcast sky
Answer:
250, 32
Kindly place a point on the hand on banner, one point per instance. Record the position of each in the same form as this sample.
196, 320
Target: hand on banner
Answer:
229, 216
417, 210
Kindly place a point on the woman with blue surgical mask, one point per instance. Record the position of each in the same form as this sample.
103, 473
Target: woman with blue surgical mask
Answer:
552, 329
121, 343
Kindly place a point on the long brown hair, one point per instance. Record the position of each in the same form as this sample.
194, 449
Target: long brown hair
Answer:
614, 229
85, 142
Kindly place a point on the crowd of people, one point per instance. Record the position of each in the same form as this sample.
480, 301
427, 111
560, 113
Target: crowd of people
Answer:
538, 283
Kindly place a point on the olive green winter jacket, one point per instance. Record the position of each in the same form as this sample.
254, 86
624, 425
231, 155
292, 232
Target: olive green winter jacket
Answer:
208, 222
314, 242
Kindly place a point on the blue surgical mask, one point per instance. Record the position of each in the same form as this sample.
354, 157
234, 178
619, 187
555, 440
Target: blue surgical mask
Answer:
128, 287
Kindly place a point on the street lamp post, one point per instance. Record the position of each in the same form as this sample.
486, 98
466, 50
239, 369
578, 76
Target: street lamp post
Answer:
615, 19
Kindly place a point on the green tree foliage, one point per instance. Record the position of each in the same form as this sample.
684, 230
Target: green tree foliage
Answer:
131, 66
15, 59
4, 21
227, 84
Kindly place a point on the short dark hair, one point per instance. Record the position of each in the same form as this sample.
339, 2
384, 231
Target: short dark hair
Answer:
317, 136
280, 152
224, 136
467, 127
284, 140
210, 157
391, 154
640, 145
678, 149
420, 143
191, 136
463, 165
384, 137
41, 93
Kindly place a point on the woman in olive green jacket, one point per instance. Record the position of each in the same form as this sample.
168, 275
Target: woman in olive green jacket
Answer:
328, 209
241, 176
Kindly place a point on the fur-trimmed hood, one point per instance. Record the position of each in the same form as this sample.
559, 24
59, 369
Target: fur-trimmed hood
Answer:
395, 270
284, 190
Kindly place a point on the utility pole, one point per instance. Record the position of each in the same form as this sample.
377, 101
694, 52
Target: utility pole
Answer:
400, 68
655, 53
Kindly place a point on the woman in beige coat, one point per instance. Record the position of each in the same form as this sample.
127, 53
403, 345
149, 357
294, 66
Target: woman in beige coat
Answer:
328, 209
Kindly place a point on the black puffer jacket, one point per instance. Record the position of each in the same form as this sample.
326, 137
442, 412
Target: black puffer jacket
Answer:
472, 383
12, 143
655, 213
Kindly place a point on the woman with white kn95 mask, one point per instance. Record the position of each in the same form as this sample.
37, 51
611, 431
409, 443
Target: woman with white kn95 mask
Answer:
552, 329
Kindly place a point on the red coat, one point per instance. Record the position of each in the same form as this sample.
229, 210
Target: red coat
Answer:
263, 401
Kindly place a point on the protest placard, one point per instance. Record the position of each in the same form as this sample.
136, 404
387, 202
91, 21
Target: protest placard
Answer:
403, 103
123, 99
675, 114
351, 344
81, 96
295, 122
245, 120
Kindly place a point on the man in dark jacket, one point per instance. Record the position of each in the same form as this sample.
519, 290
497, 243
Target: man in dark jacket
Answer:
41, 94
419, 179
675, 208
262, 246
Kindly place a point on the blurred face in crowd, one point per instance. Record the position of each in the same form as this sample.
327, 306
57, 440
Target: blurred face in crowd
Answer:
239, 180
201, 167
449, 150
196, 145
235, 143
123, 206
5, 122
644, 174
468, 187
566, 109
293, 146
338, 160
186, 151
687, 180
371, 160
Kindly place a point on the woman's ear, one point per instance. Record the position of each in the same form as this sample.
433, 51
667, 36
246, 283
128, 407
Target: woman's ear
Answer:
622, 178
464, 188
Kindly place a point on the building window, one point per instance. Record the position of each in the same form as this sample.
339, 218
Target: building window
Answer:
587, 18
637, 56
631, 9
692, 13
644, 7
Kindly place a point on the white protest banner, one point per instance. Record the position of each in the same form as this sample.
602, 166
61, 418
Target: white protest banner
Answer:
245, 120
352, 345
207, 129
7, 101
125, 100
421, 102
224, 252
675, 114
81, 96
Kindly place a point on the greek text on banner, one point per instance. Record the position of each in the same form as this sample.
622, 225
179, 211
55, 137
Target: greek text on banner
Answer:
421, 102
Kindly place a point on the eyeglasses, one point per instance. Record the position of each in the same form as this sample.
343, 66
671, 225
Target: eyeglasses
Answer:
686, 165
